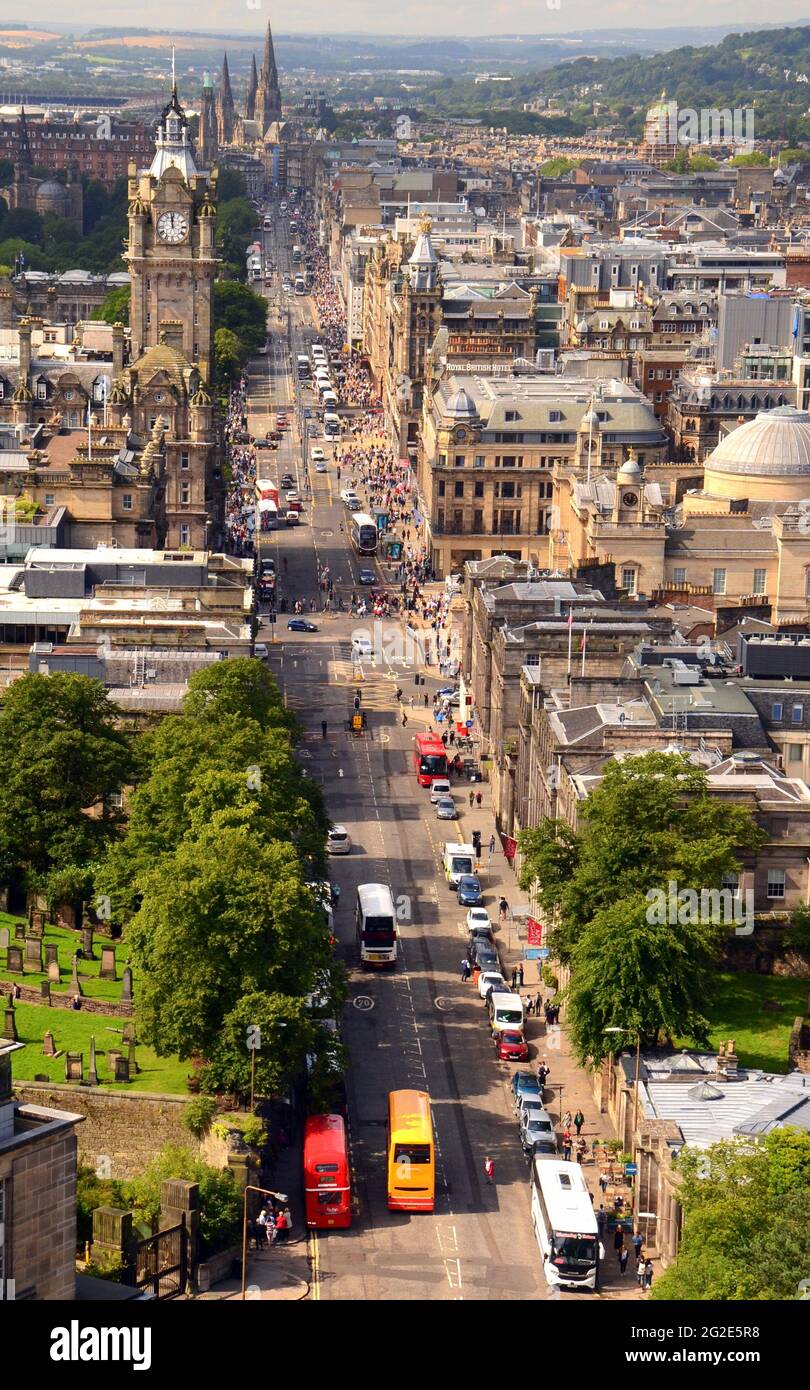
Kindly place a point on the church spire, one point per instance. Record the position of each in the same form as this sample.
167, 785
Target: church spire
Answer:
268, 98
225, 106
253, 87
23, 143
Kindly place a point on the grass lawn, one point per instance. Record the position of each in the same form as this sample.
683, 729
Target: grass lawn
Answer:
67, 943
72, 1032
737, 1012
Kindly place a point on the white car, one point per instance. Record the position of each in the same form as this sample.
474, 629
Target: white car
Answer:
490, 979
261, 650
478, 920
439, 787
349, 496
338, 841
362, 646
321, 466
317, 454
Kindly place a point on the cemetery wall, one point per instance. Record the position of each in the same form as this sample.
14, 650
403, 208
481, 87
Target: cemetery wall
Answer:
128, 1129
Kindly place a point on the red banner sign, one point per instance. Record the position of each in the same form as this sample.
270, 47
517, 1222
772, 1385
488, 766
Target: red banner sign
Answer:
535, 932
509, 847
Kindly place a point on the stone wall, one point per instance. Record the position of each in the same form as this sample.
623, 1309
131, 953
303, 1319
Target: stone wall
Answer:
128, 1128
33, 995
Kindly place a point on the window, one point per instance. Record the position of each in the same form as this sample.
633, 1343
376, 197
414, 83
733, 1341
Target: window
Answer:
776, 710
731, 882
148, 319
70, 395
776, 883
42, 390
478, 489
718, 581
679, 575
511, 415
458, 489
532, 658
796, 752
629, 580
185, 492
185, 535
184, 458
554, 416
796, 714
480, 460
459, 461
126, 502
442, 460
442, 487
49, 499
759, 581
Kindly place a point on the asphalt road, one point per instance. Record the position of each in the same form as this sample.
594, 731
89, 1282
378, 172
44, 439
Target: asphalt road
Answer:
418, 1026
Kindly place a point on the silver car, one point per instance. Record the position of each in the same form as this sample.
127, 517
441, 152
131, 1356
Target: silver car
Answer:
446, 808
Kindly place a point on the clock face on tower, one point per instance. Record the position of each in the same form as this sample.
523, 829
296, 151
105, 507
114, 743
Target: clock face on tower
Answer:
172, 227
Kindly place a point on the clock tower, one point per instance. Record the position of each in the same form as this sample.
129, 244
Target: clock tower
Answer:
171, 253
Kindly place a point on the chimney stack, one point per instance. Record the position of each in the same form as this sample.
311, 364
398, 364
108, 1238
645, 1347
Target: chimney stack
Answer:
24, 330
118, 350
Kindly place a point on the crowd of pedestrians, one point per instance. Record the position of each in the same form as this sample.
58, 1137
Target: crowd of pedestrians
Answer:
240, 500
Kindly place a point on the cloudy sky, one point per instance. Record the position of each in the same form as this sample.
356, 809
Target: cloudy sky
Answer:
409, 16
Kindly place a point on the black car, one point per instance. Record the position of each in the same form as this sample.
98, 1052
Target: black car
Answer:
367, 577
288, 481
301, 625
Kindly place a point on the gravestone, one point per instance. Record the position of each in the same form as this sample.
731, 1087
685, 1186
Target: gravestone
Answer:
75, 987
45, 991
92, 1075
128, 1032
5, 937
51, 952
48, 1045
121, 1068
126, 988
113, 1057
74, 1066
107, 971
134, 1069
14, 964
53, 972
10, 1022
33, 952
19, 930
37, 924
87, 942
40, 1076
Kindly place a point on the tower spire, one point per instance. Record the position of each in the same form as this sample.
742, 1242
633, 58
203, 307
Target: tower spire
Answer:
225, 106
268, 99
253, 87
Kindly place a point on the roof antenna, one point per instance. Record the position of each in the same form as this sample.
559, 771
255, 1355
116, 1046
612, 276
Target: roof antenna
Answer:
174, 78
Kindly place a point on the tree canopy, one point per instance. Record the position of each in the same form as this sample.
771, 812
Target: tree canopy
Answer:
746, 1214
114, 308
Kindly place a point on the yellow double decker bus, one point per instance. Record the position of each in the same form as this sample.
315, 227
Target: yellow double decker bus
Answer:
411, 1152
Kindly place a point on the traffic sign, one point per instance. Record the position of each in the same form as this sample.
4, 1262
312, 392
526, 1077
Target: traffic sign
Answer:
532, 952
630, 1169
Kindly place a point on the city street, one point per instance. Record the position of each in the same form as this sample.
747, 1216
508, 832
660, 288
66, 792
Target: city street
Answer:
418, 1026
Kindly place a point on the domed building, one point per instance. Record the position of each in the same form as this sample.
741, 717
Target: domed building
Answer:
767, 457
48, 196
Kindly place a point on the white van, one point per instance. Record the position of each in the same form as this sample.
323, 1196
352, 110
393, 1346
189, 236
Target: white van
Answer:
330, 400
505, 1012
331, 425
458, 860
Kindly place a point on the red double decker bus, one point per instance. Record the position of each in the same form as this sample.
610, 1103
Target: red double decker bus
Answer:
429, 758
327, 1184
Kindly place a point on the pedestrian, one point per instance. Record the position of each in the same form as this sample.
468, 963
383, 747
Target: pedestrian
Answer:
579, 1120
638, 1242
503, 908
514, 977
426, 699
603, 1181
566, 1145
640, 1270
492, 844
601, 1220
261, 1225
566, 1120
623, 1257
529, 1005
323, 728
648, 1273
520, 975
466, 970
618, 1238
404, 719
489, 1170
542, 1074
478, 798
581, 1147
537, 1002
472, 799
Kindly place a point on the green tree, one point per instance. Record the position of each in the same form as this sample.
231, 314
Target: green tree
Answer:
223, 918
746, 1213
230, 184
220, 1200
63, 753
651, 820
25, 223
243, 687
237, 308
6, 173
114, 308
229, 355
285, 1035
756, 159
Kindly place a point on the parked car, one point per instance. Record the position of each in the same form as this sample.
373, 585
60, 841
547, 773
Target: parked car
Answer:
478, 922
338, 840
446, 808
541, 1148
439, 787
511, 1046
469, 891
536, 1125
301, 625
490, 979
367, 577
524, 1083
486, 958
530, 1106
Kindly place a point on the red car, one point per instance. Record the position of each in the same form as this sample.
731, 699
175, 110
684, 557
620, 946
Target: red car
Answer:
511, 1046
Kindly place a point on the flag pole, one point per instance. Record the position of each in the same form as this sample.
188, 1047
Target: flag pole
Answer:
570, 640
89, 438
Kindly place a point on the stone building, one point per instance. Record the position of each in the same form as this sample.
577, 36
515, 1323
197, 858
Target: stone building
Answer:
38, 1157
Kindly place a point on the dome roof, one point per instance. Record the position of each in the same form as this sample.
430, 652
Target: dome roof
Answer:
630, 471
51, 196
423, 253
775, 444
461, 406
589, 421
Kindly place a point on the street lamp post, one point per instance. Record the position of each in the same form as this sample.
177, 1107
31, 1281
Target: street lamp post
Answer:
266, 1192
636, 1185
